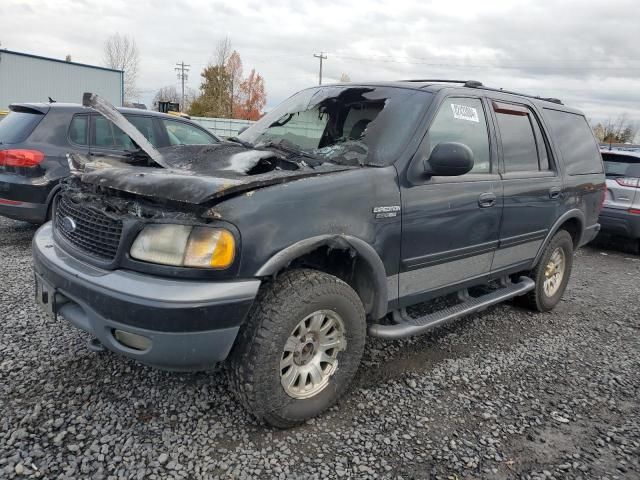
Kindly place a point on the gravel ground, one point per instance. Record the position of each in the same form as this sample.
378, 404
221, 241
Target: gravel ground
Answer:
504, 394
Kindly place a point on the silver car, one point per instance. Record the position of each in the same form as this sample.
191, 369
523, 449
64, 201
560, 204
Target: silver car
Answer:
621, 211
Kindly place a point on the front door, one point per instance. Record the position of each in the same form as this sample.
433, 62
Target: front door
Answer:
450, 225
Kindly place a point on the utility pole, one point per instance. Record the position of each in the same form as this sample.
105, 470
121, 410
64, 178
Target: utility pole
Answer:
322, 56
183, 74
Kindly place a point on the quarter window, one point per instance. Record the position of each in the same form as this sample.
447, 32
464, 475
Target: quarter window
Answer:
576, 141
463, 120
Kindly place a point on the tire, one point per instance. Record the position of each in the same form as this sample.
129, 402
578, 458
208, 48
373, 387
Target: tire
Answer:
539, 299
284, 310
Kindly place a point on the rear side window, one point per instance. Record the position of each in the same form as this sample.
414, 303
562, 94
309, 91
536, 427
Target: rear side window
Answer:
109, 136
463, 120
17, 126
572, 134
78, 130
523, 145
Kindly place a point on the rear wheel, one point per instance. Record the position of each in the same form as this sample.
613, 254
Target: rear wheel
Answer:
551, 274
299, 349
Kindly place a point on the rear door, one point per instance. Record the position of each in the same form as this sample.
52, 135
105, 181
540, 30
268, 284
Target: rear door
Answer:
532, 184
450, 225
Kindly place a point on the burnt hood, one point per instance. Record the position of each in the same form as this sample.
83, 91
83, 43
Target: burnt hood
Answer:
197, 174
192, 174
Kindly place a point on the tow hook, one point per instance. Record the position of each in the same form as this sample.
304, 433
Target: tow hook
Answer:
95, 346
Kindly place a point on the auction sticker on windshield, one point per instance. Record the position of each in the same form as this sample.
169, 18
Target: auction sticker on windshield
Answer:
462, 112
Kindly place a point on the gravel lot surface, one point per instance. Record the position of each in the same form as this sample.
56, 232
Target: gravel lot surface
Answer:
504, 394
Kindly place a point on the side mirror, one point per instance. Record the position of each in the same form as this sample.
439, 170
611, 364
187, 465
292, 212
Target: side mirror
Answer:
243, 129
449, 159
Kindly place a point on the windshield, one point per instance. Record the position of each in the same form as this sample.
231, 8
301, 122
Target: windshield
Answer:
345, 125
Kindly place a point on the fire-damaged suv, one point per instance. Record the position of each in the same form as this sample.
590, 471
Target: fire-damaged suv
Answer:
279, 250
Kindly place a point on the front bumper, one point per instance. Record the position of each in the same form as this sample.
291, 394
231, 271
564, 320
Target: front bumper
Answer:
191, 325
620, 222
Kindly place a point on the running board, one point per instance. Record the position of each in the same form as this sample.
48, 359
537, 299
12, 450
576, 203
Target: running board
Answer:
414, 326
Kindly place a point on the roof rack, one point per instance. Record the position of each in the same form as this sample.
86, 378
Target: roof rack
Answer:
466, 83
476, 84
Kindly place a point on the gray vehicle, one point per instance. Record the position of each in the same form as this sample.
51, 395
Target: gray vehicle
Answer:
621, 210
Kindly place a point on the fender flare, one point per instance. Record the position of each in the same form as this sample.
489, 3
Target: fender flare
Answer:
571, 214
363, 250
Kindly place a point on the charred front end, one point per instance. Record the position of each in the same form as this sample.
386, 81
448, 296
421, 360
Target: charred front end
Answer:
153, 280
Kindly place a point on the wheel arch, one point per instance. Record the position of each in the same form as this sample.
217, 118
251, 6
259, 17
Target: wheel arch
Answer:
573, 222
366, 273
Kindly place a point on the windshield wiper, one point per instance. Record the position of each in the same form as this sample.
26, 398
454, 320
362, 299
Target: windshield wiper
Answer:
291, 149
240, 141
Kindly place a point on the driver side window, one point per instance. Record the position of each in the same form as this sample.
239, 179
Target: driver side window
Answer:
463, 120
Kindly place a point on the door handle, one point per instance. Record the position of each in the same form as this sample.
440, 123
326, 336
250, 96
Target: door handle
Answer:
487, 199
554, 192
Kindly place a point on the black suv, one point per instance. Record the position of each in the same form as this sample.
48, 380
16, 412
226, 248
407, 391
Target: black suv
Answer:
36, 137
322, 222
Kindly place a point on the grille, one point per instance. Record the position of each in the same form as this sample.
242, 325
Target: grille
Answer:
95, 233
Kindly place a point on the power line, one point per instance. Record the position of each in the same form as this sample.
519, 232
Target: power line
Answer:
322, 56
183, 74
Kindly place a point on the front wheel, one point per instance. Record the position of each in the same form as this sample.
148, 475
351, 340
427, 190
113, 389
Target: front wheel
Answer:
551, 274
299, 349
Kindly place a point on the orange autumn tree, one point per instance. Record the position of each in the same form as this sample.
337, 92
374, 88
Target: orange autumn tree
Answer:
224, 92
252, 99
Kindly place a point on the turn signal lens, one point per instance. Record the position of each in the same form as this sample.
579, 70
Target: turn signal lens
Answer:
20, 158
208, 247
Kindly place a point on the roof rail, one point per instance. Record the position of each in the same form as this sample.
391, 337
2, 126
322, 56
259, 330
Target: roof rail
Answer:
466, 83
476, 84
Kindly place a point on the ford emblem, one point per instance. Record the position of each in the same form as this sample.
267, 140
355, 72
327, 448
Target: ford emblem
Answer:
68, 224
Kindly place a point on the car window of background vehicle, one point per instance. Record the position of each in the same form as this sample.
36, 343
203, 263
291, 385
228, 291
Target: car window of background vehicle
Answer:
181, 133
78, 130
17, 126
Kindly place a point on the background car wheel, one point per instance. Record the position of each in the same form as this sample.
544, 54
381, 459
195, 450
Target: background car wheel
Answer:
299, 349
551, 274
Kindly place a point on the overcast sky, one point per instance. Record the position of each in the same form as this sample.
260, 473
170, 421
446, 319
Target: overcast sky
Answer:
587, 53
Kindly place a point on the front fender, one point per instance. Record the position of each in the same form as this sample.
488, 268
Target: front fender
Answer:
367, 254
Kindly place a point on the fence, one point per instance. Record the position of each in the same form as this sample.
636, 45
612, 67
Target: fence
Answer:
222, 127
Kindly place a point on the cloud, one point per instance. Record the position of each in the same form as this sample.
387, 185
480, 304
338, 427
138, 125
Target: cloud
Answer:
582, 52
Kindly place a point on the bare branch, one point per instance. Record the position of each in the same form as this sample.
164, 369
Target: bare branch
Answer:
121, 53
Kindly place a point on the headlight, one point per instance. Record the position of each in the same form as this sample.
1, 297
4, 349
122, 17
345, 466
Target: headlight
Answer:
184, 246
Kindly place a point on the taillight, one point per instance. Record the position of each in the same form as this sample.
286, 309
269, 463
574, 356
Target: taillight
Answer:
603, 196
635, 211
20, 158
629, 182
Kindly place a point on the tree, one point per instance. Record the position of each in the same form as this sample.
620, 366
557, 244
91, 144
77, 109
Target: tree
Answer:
620, 130
121, 53
252, 97
224, 93
344, 78
234, 70
67, 58
214, 97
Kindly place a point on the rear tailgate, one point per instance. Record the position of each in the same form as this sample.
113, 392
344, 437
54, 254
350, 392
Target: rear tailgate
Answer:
623, 179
